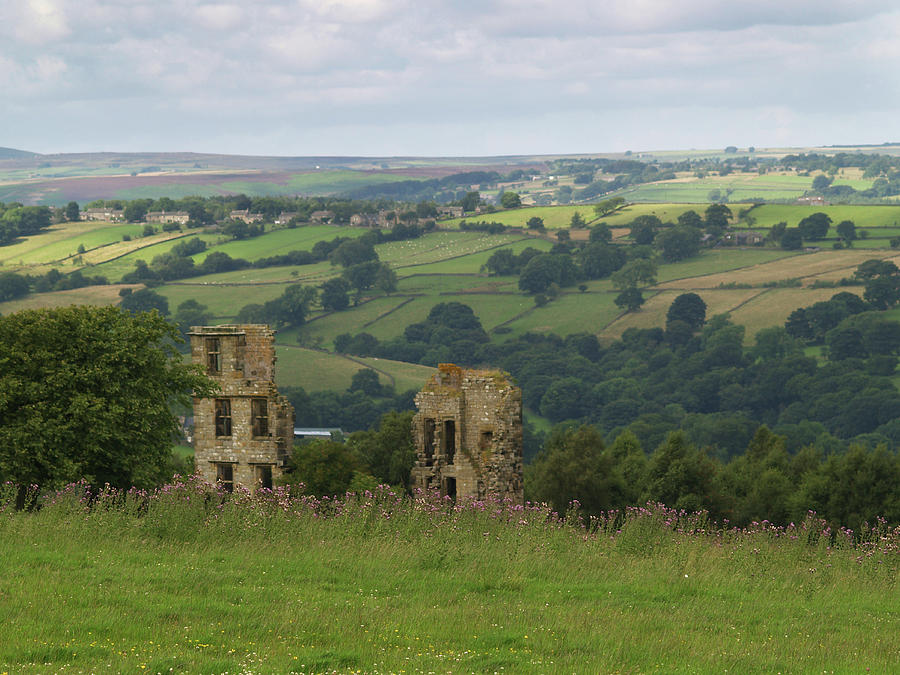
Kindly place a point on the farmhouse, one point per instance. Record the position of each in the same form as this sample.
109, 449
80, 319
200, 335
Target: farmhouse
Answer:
285, 217
322, 216
468, 434
450, 211
362, 220
244, 434
745, 238
179, 217
812, 201
246, 216
104, 214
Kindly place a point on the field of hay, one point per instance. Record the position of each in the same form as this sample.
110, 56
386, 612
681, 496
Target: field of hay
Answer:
653, 313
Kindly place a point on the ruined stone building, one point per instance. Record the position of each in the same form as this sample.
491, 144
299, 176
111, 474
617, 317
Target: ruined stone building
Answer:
468, 434
244, 434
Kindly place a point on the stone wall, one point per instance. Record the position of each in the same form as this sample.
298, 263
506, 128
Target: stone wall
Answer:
468, 434
249, 444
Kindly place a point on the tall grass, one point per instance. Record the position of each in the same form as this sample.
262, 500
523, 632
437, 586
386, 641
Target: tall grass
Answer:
189, 579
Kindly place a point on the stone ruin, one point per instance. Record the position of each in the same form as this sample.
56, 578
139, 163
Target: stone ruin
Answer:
244, 435
468, 434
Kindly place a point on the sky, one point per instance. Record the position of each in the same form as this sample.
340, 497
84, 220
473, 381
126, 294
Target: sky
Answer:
446, 78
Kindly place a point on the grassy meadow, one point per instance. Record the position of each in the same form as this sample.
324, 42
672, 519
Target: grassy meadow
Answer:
187, 580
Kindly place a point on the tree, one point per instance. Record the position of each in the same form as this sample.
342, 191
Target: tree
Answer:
638, 272
72, 212
643, 229
510, 200
608, 206
291, 308
679, 242
577, 221
334, 294
717, 218
600, 233
535, 223
573, 465
366, 381
503, 261
135, 210
86, 392
630, 299
191, 313
687, 307
777, 231
389, 453
599, 260
815, 226
846, 230
145, 300
471, 201
691, 218
353, 252
324, 467
792, 239
12, 286
882, 292
821, 182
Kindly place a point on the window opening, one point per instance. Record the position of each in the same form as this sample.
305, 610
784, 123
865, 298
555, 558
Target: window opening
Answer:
264, 476
449, 440
213, 356
450, 487
429, 439
225, 476
259, 409
223, 417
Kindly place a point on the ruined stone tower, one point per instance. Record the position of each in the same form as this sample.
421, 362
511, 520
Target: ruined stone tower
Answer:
468, 434
244, 434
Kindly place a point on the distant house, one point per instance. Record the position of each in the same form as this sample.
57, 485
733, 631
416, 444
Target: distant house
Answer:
246, 216
322, 216
285, 217
745, 238
812, 201
450, 211
387, 218
363, 220
180, 217
104, 214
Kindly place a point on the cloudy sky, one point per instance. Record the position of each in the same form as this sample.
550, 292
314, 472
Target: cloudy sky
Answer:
442, 77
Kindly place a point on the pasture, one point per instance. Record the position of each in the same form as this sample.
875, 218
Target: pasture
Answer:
865, 216
186, 580
317, 370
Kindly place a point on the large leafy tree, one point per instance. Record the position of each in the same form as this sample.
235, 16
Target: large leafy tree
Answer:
86, 392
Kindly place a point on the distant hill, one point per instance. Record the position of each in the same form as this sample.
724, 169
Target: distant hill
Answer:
12, 153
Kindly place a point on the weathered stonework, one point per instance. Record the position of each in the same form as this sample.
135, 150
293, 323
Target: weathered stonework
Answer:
468, 434
244, 434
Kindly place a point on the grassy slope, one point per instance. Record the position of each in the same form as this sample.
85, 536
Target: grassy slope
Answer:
428, 593
445, 266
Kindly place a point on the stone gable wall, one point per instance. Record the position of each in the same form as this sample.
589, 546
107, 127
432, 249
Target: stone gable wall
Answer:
247, 372
485, 414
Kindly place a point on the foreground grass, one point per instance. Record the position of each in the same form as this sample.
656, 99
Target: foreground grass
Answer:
185, 582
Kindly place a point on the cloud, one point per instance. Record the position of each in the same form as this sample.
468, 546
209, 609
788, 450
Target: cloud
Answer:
342, 70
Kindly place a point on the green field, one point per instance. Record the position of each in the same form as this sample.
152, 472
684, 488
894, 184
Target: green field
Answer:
187, 582
446, 266
61, 241
316, 370
865, 216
